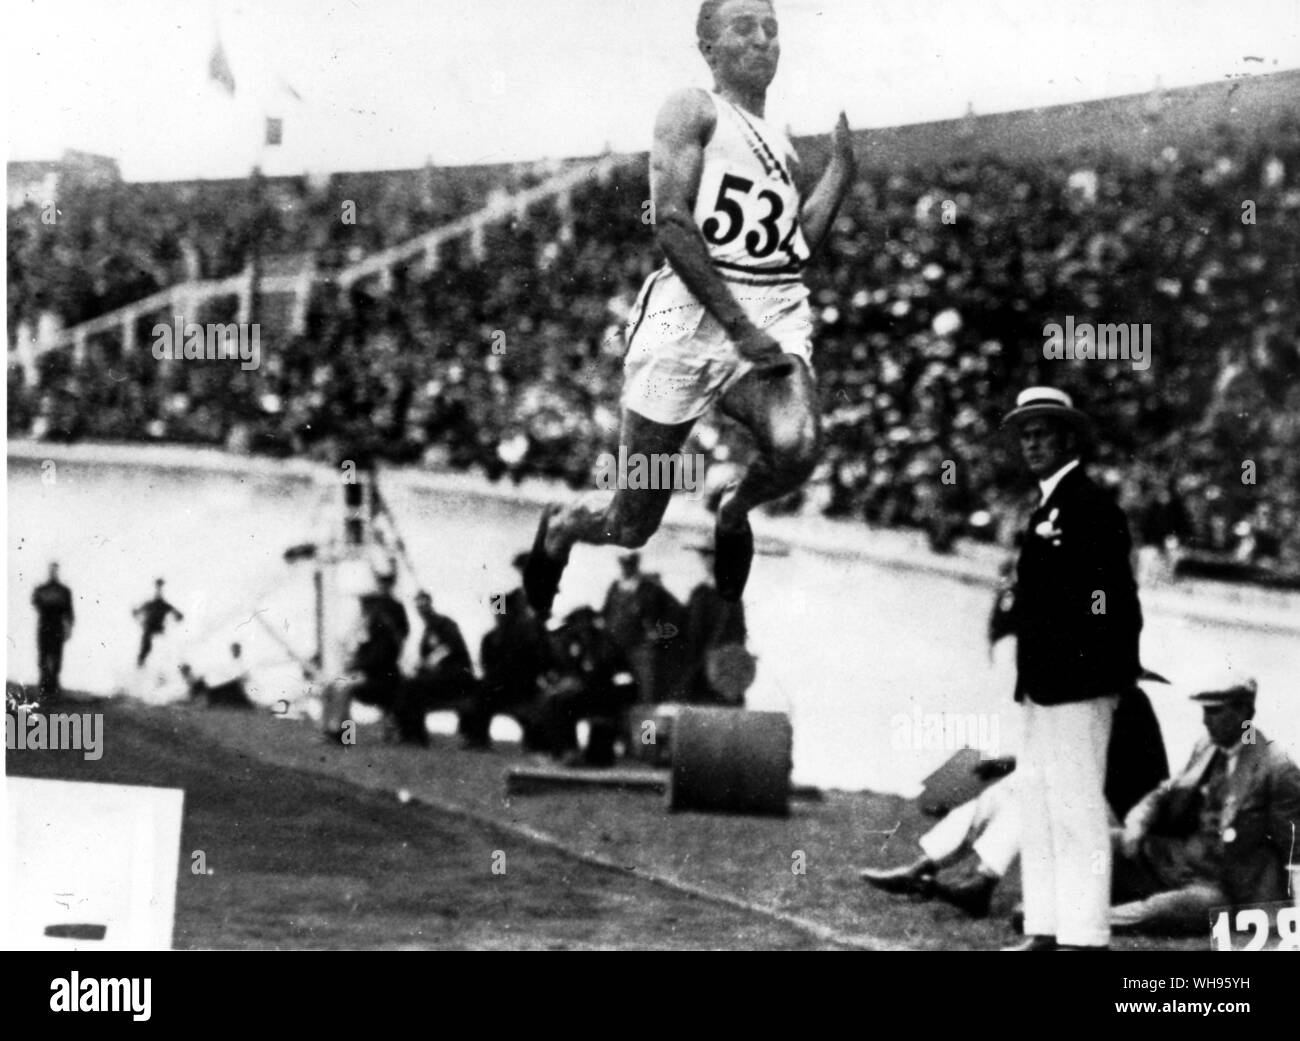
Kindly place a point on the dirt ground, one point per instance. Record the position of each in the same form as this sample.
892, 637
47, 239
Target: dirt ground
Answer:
311, 847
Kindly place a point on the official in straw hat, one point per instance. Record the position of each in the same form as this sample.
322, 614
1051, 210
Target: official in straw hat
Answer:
1077, 621
1223, 832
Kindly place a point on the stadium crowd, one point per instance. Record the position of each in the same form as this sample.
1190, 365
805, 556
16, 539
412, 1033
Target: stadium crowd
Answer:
930, 300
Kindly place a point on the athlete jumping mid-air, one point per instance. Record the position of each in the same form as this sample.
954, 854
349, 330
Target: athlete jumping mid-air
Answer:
726, 319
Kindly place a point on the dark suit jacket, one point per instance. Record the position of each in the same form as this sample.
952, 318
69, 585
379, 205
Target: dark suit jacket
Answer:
635, 618
1068, 649
441, 631
1259, 823
1136, 761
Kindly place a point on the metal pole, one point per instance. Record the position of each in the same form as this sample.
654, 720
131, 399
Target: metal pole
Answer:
318, 584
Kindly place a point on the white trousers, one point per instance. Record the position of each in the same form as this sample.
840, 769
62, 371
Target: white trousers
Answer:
1066, 851
989, 824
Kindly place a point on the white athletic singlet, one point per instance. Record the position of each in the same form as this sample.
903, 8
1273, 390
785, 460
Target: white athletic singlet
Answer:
680, 359
748, 206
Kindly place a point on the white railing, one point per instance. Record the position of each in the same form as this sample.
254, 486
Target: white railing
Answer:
186, 297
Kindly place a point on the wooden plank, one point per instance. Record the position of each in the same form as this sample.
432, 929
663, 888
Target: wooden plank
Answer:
534, 780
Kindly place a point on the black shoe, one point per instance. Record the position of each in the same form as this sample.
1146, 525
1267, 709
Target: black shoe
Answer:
733, 552
542, 573
973, 896
899, 880
1034, 943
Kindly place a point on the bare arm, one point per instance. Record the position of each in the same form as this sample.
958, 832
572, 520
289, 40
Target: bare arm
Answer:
826, 198
682, 130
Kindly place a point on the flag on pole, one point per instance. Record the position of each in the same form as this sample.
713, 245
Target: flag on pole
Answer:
275, 123
219, 69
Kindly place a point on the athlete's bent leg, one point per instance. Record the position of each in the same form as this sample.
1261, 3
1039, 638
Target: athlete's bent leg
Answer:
632, 515
783, 416
627, 520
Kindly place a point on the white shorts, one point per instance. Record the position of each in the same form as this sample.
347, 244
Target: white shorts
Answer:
679, 360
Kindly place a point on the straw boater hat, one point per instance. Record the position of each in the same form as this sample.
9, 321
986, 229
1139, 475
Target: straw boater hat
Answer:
1045, 402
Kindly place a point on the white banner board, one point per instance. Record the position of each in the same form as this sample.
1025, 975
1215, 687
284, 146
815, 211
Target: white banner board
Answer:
90, 866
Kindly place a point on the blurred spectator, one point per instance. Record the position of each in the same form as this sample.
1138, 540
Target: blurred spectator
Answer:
645, 622
511, 654
153, 615
54, 618
443, 679
586, 676
720, 669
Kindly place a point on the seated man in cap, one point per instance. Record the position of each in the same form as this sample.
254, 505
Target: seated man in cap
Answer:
1223, 832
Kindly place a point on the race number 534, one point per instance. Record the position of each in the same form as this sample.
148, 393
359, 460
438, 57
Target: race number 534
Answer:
1257, 924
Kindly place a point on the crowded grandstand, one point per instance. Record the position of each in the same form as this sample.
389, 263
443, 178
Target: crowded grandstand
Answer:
929, 304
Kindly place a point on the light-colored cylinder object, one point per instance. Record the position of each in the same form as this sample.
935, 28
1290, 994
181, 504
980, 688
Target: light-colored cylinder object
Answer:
731, 760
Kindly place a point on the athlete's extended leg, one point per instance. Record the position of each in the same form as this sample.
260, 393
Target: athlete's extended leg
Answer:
628, 519
783, 416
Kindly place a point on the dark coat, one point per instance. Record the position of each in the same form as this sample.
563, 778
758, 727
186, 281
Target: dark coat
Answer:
642, 615
387, 628
711, 623
442, 633
512, 656
1071, 645
1136, 761
53, 603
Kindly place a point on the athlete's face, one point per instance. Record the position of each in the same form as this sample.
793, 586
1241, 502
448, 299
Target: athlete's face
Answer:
745, 49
